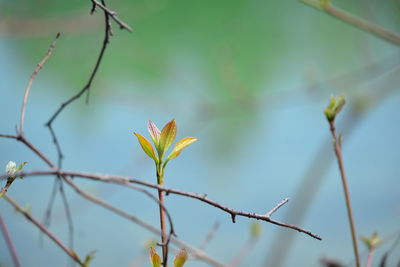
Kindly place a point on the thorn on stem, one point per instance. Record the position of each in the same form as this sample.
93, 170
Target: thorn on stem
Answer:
233, 217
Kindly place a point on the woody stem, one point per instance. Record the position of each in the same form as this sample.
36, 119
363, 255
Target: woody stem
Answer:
160, 181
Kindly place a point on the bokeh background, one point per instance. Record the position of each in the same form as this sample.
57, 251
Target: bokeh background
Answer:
250, 79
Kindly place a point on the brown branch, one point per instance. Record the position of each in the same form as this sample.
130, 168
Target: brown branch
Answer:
9, 242
30, 218
362, 24
8, 136
338, 152
28, 87
117, 179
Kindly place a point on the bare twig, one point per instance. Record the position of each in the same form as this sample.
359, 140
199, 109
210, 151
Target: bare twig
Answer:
160, 181
28, 87
30, 218
8, 136
338, 153
278, 206
117, 179
9, 243
362, 24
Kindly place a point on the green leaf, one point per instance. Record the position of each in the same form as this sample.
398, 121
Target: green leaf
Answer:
180, 258
154, 258
180, 146
154, 133
167, 137
20, 166
146, 146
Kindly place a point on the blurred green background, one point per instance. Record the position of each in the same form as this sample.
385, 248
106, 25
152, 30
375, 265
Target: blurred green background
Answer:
249, 79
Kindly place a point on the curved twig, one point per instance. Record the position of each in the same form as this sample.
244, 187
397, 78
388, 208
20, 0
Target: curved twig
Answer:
28, 87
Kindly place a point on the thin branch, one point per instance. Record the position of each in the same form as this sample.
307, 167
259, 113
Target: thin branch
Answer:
117, 179
8, 136
362, 24
30, 218
60, 155
338, 152
278, 206
9, 242
28, 87
112, 14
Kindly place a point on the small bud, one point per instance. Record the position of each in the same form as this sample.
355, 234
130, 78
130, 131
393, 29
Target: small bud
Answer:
335, 106
371, 242
11, 168
181, 258
154, 258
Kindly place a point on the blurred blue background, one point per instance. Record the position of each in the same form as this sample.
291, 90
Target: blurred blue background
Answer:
250, 80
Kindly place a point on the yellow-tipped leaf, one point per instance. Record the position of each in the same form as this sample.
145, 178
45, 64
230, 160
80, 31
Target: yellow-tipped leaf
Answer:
180, 146
154, 258
167, 137
154, 133
146, 146
180, 258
